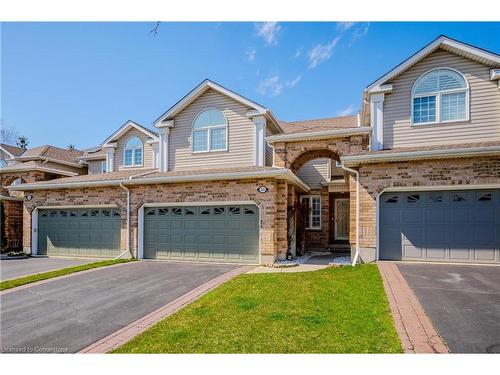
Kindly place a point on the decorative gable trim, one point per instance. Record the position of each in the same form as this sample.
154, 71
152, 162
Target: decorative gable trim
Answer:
448, 44
125, 128
166, 118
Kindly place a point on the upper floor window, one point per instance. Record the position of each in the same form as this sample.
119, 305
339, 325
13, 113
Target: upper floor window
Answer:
132, 155
103, 166
3, 163
210, 131
441, 95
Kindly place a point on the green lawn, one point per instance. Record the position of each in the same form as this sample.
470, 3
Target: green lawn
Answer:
334, 310
7, 284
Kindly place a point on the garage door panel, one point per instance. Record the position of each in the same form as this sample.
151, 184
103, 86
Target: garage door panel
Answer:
460, 254
484, 254
436, 253
219, 233
456, 226
79, 232
413, 252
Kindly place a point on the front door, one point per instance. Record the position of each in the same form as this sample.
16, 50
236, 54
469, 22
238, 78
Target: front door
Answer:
341, 219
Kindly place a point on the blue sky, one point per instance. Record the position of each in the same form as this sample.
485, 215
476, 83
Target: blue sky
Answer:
75, 83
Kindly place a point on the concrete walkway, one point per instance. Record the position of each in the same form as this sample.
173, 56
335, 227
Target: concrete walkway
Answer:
314, 263
414, 328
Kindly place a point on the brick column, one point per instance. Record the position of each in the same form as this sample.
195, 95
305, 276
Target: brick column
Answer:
281, 217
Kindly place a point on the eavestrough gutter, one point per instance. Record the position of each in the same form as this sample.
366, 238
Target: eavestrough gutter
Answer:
279, 173
355, 160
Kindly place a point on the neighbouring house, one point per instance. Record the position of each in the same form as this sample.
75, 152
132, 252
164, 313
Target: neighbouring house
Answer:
414, 176
19, 166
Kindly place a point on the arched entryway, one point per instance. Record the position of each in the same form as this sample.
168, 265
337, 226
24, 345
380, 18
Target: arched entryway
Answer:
319, 219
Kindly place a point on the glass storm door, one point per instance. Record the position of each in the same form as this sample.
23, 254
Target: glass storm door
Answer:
342, 219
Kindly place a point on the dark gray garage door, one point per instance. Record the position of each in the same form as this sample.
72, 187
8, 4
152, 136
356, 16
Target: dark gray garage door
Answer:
79, 232
452, 226
202, 233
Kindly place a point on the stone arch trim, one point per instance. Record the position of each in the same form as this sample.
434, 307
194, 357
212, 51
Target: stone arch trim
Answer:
286, 153
307, 156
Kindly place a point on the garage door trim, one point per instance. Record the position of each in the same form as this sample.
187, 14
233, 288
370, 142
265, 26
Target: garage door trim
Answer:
140, 217
421, 188
34, 219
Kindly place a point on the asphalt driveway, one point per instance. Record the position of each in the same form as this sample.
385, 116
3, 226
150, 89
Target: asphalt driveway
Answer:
69, 314
463, 303
14, 268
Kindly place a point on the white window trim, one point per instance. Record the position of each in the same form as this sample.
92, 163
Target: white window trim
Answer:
133, 165
208, 129
310, 227
438, 95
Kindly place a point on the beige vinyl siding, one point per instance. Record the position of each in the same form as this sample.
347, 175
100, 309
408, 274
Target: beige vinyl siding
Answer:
314, 172
241, 135
147, 151
95, 166
484, 124
269, 150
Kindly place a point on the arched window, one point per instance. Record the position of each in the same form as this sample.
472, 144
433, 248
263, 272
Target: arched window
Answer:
441, 95
132, 155
16, 182
209, 131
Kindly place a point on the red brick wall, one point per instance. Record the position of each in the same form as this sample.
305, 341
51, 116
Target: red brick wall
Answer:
273, 239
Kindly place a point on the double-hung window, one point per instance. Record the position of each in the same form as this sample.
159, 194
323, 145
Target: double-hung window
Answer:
103, 166
209, 131
312, 205
440, 96
132, 155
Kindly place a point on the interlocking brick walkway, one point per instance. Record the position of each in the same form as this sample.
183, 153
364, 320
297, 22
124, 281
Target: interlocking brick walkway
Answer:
414, 328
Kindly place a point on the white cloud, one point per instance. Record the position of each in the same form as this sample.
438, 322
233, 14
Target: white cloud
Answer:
349, 110
268, 31
344, 26
297, 54
360, 32
270, 86
321, 53
250, 54
294, 82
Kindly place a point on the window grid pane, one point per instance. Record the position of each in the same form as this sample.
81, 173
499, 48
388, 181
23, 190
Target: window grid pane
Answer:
200, 140
128, 157
424, 109
137, 156
218, 139
316, 212
453, 106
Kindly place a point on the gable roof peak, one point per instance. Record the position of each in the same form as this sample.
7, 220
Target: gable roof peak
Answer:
200, 89
444, 42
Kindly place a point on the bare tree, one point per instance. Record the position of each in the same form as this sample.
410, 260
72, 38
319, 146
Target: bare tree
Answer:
155, 29
8, 135
22, 142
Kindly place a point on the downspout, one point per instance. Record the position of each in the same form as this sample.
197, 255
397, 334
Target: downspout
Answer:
356, 173
128, 210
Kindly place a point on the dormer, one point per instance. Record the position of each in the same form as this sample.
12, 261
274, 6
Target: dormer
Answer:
446, 93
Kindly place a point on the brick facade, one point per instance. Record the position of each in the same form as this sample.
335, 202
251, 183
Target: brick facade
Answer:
273, 223
374, 178
293, 155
